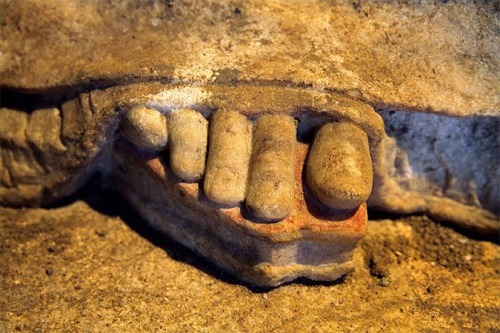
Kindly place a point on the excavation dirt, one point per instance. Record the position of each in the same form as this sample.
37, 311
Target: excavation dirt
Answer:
92, 265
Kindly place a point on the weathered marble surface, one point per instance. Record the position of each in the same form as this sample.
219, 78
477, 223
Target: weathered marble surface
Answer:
440, 57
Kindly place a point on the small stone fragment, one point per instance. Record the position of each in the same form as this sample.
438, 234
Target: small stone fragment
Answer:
188, 132
145, 128
230, 141
13, 124
271, 180
19, 162
339, 167
73, 122
44, 131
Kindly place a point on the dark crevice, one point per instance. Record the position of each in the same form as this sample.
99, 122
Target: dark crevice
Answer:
467, 232
12, 97
375, 215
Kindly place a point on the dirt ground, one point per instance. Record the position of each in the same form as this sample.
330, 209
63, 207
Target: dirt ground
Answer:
91, 264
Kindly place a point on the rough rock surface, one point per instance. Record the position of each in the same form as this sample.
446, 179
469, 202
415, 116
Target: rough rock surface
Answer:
84, 267
421, 55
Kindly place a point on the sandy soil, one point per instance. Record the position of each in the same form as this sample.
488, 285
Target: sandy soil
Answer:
93, 265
